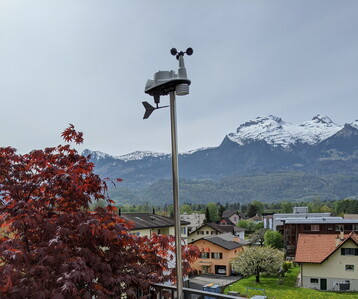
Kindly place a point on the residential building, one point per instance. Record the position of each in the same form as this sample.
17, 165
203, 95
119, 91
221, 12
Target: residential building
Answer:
145, 224
231, 217
276, 220
217, 252
257, 218
195, 220
210, 229
291, 229
329, 262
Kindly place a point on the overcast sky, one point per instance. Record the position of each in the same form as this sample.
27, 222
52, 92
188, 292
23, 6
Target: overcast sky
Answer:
86, 63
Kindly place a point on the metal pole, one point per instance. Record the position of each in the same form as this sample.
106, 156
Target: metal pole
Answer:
177, 225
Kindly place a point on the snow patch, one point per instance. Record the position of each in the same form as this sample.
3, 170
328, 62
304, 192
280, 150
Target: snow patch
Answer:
277, 132
138, 155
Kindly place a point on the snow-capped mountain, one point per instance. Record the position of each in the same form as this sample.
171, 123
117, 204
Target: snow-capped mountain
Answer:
274, 131
137, 155
265, 144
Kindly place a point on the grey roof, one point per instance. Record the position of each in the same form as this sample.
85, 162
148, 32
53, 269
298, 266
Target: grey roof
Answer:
149, 220
320, 220
308, 218
227, 219
223, 228
223, 243
227, 214
226, 241
290, 215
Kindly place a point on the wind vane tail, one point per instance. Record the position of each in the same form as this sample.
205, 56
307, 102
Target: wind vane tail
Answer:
148, 109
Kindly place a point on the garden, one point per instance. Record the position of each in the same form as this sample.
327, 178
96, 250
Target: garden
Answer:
275, 287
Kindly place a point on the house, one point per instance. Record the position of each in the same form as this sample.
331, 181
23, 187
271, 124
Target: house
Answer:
217, 252
275, 221
231, 218
195, 220
145, 224
210, 229
328, 261
332, 225
256, 218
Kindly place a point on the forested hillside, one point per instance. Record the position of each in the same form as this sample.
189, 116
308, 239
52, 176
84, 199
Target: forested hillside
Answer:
269, 187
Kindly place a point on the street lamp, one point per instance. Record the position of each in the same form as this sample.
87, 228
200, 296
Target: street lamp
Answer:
164, 83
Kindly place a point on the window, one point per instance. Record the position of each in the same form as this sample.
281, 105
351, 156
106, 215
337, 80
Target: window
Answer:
183, 230
216, 255
158, 231
314, 280
349, 267
207, 232
204, 255
339, 227
355, 227
330, 227
349, 251
306, 227
315, 227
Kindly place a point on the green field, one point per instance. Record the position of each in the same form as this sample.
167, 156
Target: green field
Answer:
283, 288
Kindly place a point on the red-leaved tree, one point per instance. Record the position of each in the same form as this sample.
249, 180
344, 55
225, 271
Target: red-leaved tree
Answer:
53, 246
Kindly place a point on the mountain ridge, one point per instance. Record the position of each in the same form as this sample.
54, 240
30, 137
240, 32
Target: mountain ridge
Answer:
264, 145
262, 128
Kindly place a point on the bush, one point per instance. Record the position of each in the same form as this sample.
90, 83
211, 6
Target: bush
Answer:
286, 265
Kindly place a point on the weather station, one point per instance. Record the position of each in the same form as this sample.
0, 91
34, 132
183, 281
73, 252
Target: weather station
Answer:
164, 83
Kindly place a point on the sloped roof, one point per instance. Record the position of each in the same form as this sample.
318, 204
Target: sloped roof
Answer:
229, 245
149, 220
225, 241
256, 218
316, 248
227, 214
228, 221
222, 228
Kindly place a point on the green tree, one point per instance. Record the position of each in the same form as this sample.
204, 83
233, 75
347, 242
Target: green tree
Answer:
170, 211
213, 212
326, 209
258, 260
286, 207
255, 208
250, 225
258, 236
221, 210
185, 208
273, 239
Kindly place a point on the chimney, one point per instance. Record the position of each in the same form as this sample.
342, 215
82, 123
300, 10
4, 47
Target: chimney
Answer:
340, 237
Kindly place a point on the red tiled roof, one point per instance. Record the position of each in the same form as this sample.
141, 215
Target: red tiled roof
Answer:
315, 248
